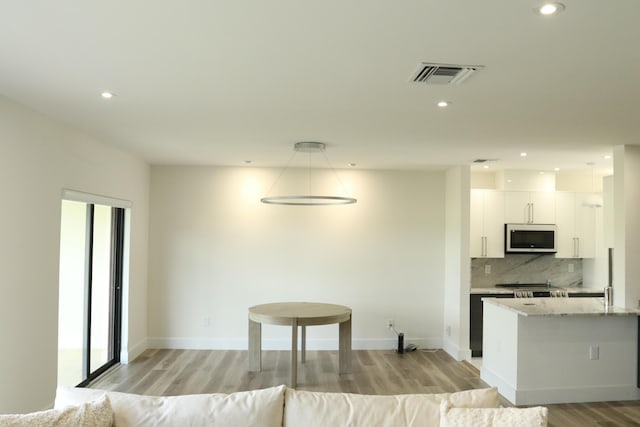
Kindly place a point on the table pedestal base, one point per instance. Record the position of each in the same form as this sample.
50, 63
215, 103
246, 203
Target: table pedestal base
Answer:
299, 315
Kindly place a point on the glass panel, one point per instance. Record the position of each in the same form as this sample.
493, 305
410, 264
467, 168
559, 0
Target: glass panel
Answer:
101, 289
532, 239
71, 301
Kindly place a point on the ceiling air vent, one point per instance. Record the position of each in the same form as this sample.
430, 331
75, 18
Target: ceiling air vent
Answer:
443, 74
485, 160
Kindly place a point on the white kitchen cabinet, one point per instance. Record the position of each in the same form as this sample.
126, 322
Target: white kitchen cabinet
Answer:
529, 207
575, 220
487, 224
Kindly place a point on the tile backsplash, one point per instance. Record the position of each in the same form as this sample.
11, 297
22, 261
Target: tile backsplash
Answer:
526, 268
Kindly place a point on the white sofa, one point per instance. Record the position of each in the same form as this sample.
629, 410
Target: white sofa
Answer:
281, 406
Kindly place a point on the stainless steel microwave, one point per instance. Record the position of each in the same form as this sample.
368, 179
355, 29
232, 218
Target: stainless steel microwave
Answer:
530, 238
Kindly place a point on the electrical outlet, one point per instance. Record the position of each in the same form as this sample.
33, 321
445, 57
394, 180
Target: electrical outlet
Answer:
570, 268
594, 352
206, 321
487, 269
390, 323
448, 330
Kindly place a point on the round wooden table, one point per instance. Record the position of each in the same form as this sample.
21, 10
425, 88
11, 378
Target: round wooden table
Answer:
301, 314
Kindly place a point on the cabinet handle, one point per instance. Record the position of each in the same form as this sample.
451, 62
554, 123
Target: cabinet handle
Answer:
484, 246
577, 247
531, 216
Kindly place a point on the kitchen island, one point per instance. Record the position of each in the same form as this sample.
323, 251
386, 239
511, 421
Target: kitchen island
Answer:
477, 294
560, 350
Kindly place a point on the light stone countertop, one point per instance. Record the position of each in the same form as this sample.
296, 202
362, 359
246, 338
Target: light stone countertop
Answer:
491, 291
494, 290
559, 307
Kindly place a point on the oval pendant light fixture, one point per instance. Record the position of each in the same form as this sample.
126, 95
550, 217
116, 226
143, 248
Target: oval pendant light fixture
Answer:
308, 199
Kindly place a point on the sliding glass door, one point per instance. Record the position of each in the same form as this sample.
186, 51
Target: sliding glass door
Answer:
90, 295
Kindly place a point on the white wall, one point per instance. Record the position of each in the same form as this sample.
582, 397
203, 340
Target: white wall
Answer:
457, 264
215, 250
38, 158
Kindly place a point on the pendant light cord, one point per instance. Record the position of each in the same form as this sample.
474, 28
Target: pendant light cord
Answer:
335, 173
281, 173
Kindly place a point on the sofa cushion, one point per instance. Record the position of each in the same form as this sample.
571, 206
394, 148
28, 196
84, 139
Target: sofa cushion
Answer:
305, 408
248, 408
95, 413
492, 417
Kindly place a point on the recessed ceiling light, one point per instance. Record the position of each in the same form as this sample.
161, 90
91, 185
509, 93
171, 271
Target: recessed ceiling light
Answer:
523, 154
607, 157
486, 166
549, 9
443, 104
556, 169
541, 172
106, 95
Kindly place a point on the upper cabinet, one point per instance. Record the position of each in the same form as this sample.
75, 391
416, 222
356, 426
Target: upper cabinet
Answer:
576, 225
528, 197
487, 224
529, 207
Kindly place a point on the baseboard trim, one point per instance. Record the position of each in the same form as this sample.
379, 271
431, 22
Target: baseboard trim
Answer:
285, 344
456, 352
505, 389
547, 396
127, 355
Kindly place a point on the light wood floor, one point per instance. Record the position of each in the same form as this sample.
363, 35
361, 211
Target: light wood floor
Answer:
174, 372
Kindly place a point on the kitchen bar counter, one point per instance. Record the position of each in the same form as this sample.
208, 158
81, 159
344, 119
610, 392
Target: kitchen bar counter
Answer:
476, 309
559, 307
559, 350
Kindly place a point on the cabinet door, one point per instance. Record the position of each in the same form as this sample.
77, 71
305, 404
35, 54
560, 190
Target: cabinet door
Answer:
494, 223
575, 219
585, 220
565, 221
486, 224
525, 207
476, 235
516, 207
543, 209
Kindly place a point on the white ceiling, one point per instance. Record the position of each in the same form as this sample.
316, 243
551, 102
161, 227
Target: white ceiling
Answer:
220, 82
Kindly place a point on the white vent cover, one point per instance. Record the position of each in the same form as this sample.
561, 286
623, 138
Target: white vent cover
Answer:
443, 74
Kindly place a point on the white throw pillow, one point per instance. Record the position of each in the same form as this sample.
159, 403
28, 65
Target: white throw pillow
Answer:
492, 417
319, 409
95, 413
247, 408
